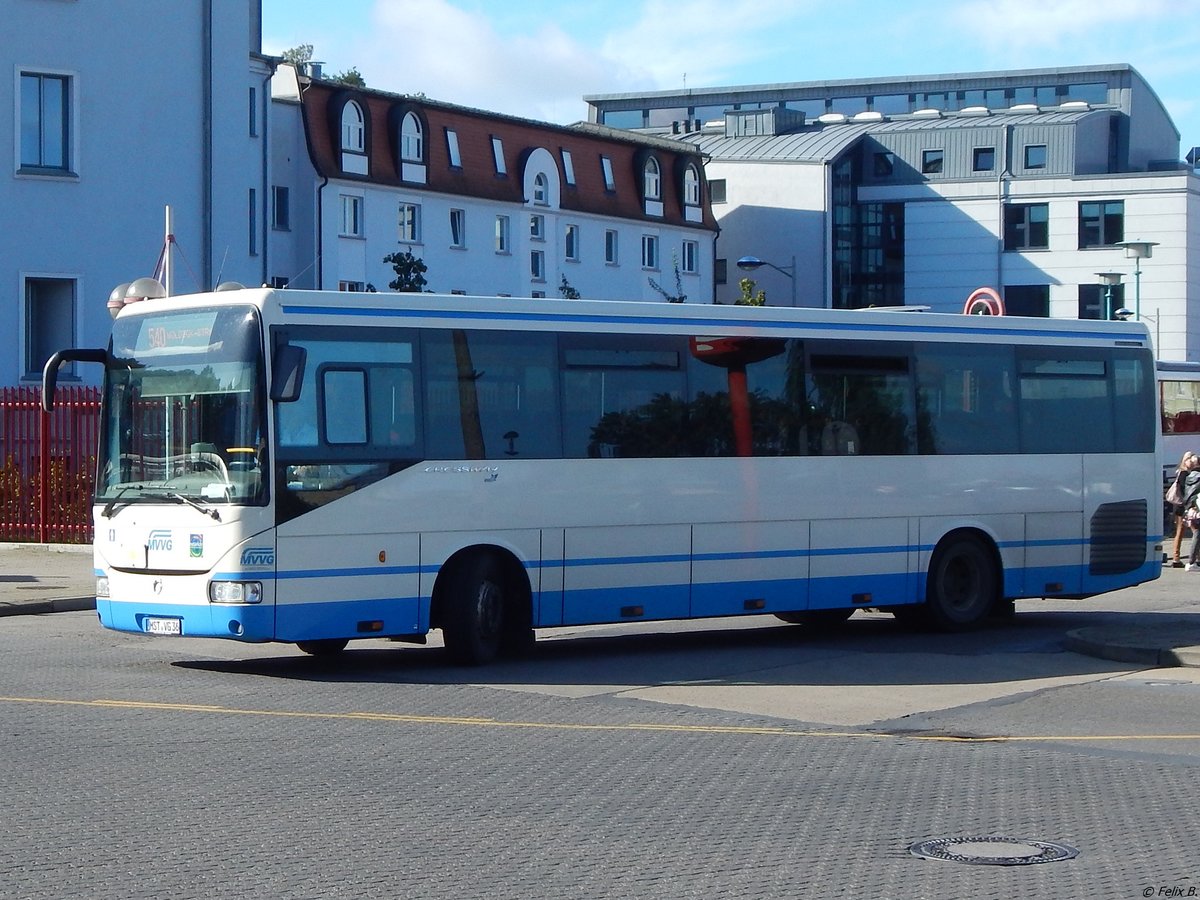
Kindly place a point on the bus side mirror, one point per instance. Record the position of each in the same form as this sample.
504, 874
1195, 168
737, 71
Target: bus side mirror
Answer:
50, 372
287, 373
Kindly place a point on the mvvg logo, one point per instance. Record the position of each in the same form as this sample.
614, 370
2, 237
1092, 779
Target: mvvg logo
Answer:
160, 539
258, 556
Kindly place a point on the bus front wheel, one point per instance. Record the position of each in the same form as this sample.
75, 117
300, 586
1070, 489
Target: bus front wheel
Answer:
473, 618
963, 585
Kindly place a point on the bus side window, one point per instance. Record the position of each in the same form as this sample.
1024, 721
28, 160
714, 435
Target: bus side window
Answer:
965, 401
1066, 406
344, 405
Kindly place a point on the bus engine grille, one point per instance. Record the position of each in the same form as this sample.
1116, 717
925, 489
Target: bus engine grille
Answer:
1118, 538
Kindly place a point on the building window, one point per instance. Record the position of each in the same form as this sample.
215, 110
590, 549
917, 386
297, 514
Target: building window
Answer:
354, 287
252, 220
610, 247
537, 228
281, 215
885, 164
720, 271
690, 257
49, 320
354, 140
498, 156
652, 180
1035, 156
45, 123
537, 265
353, 128
571, 243
691, 186
502, 237
931, 161
452, 148
984, 159
606, 167
1027, 300
412, 141
279, 282
541, 189
568, 167
1099, 301
253, 112
1101, 224
1027, 226
352, 216
649, 251
410, 223
716, 191
458, 228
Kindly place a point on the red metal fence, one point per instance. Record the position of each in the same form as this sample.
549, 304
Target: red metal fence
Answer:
48, 464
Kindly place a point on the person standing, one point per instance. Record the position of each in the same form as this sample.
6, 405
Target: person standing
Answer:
1191, 512
1186, 464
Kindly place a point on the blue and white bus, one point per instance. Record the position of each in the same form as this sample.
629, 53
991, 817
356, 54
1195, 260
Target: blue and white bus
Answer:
318, 467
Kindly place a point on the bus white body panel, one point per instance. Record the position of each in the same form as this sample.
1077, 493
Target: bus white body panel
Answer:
590, 530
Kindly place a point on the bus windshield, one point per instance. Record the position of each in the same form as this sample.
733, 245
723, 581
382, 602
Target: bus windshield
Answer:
185, 409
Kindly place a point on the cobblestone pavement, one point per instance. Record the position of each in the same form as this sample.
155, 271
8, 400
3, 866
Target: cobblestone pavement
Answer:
138, 767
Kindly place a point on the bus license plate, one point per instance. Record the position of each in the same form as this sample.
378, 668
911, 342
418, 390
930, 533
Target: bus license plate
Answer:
164, 626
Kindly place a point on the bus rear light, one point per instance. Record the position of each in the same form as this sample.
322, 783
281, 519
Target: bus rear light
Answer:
235, 591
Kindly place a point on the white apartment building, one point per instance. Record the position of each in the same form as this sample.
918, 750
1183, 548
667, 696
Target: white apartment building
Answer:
102, 145
1043, 185
490, 204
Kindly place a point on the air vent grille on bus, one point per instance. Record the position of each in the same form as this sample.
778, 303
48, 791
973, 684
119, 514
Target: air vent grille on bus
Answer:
1118, 538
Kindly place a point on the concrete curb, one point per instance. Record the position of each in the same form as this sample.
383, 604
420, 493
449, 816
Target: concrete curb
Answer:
1162, 650
42, 607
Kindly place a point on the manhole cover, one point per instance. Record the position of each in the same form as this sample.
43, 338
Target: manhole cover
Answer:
992, 851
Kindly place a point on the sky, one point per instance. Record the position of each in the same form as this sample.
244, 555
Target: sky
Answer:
539, 58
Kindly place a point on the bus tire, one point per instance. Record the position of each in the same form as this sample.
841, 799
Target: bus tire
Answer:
963, 585
817, 619
323, 648
475, 610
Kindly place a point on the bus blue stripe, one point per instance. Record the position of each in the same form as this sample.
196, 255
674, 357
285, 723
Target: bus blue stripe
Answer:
584, 562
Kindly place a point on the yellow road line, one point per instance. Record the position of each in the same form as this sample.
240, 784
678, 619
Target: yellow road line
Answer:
576, 726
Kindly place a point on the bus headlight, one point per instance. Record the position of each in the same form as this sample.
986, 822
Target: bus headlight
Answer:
102, 586
235, 591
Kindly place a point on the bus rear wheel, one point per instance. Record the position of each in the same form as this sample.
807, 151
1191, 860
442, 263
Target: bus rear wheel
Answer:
963, 585
475, 608
323, 648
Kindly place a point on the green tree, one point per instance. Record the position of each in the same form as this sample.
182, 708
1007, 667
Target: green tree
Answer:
566, 290
749, 298
679, 296
298, 56
351, 77
410, 272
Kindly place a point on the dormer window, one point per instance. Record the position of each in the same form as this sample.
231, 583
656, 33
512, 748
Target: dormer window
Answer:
541, 189
412, 149
353, 139
652, 180
412, 144
692, 212
652, 187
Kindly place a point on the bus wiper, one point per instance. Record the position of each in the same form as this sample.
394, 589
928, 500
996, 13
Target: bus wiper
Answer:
110, 507
207, 510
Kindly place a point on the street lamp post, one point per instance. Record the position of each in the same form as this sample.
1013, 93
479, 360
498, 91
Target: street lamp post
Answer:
750, 263
1137, 251
1109, 280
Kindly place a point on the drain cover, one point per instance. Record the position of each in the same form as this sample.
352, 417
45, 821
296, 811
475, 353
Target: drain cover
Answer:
992, 851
